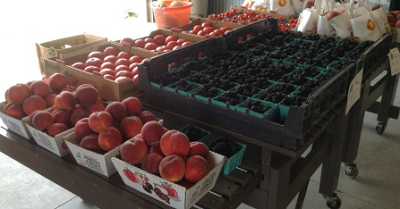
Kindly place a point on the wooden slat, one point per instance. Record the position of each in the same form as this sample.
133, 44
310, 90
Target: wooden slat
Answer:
226, 188
211, 201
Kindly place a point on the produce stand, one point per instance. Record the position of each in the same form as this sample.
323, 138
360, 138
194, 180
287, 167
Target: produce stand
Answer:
378, 82
266, 170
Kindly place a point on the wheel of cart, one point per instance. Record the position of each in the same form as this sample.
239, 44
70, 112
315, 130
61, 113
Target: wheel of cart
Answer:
380, 128
333, 201
351, 170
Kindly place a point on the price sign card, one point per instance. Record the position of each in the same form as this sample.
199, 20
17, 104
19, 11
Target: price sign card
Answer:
394, 58
354, 90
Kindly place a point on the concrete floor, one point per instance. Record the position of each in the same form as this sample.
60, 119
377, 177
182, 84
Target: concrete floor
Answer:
376, 187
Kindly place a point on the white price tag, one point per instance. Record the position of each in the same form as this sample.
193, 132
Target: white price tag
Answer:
394, 58
354, 90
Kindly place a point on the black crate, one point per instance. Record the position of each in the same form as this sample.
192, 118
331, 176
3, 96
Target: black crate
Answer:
375, 53
289, 134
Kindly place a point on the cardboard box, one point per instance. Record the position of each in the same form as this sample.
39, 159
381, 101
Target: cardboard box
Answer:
53, 144
78, 44
174, 195
100, 163
108, 89
214, 23
14, 125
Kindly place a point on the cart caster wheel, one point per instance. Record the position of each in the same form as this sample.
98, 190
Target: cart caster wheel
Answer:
380, 128
333, 201
351, 170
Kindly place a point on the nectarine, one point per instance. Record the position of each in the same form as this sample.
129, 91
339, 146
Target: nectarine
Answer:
172, 168
133, 106
40, 88
33, 103
130, 126
152, 132
109, 138
175, 142
151, 162
42, 120
19, 92
14, 110
65, 100
100, 120
86, 94
117, 110
82, 128
90, 142
133, 150
196, 168
57, 81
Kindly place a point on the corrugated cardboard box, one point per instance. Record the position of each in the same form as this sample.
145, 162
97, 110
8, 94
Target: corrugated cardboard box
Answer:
67, 47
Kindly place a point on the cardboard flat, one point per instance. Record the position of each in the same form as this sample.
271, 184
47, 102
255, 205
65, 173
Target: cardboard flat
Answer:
169, 193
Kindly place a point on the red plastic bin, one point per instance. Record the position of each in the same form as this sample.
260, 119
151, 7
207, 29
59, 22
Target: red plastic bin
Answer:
169, 17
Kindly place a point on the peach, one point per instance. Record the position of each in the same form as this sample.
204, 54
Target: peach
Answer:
151, 162
65, 100
62, 116
31, 117
156, 148
117, 110
147, 116
133, 150
57, 81
130, 126
95, 107
199, 148
152, 132
86, 94
6, 97
100, 120
15, 110
172, 168
40, 88
109, 138
69, 88
82, 128
133, 106
42, 120
33, 103
18, 93
175, 142
50, 99
77, 115
56, 128
196, 168
90, 142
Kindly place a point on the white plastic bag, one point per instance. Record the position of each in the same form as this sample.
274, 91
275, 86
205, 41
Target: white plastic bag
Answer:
284, 7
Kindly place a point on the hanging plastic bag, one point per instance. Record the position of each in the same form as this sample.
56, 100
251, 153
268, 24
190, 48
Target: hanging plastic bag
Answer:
323, 26
365, 26
308, 20
284, 7
380, 15
298, 6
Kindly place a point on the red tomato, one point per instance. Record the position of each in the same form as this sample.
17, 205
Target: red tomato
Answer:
136, 78
108, 76
127, 40
170, 38
215, 34
107, 71
125, 55
121, 67
122, 61
159, 39
219, 31
150, 46
94, 61
133, 65
140, 43
91, 69
208, 29
171, 44
125, 73
197, 27
194, 32
110, 58
176, 47
201, 33
167, 50
145, 60
121, 78
181, 41
206, 24
79, 65
186, 43
227, 31
135, 58
109, 65
97, 54
110, 50
149, 40
135, 70
224, 28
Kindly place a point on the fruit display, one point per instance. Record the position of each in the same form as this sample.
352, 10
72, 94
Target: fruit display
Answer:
394, 18
111, 63
110, 126
166, 153
159, 43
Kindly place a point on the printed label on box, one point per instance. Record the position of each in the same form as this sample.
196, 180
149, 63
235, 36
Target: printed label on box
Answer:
43, 141
394, 58
89, 162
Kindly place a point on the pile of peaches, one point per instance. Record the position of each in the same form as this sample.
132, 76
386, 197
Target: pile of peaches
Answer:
112, 64
167, 153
